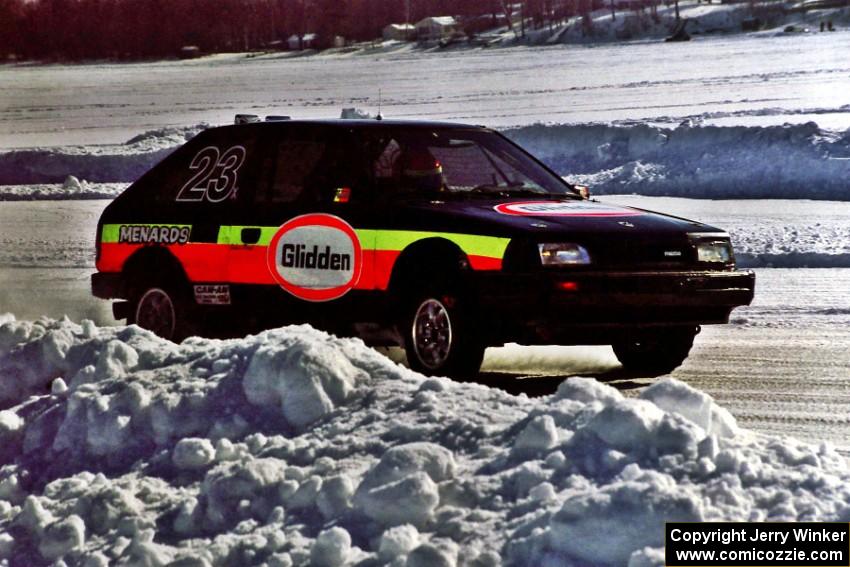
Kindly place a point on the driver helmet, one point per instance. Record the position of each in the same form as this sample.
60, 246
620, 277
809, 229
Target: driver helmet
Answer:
420, 170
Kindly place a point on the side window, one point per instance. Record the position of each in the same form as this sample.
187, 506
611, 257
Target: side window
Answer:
382, 152
466, 165
294, 164
311, 168
386, 164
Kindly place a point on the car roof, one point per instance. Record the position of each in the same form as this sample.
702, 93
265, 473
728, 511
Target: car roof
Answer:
359, 124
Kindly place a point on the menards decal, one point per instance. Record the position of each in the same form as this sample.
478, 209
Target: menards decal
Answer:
146, 233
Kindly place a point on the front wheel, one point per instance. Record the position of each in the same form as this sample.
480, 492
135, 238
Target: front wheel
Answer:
655, 352
440, 337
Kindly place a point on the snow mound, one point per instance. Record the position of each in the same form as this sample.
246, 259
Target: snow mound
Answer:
294, 447
100, 164
355, 114
71, 189
696, 161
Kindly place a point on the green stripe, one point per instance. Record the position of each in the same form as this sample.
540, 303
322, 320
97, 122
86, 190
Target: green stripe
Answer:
472, 244
111, 232
233, 235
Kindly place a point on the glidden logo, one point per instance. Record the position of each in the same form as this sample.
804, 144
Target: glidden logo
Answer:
316, 257
563, 209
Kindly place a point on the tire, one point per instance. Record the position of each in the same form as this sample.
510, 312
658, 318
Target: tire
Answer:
440, 335
161, 309
657, 352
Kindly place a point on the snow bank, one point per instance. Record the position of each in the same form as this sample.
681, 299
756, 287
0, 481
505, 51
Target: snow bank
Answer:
697, 161
791, 233
99, 164
691, 160
71, 188
149, 452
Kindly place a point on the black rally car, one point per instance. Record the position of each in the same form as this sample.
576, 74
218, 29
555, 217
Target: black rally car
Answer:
443, 238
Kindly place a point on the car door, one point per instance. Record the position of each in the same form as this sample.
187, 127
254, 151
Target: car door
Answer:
301, 231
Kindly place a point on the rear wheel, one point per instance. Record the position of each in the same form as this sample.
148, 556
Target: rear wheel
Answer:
161, 309
655, 352
440, 334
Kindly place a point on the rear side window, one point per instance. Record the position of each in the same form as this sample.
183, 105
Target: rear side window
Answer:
308, 166
294, 163
212, 168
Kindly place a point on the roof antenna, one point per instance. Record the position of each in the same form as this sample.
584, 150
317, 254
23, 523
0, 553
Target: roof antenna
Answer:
379, 116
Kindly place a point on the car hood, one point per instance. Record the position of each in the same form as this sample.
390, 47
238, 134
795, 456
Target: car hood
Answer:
564, 218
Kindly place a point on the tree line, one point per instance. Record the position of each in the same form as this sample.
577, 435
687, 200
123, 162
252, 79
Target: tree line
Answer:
144, 29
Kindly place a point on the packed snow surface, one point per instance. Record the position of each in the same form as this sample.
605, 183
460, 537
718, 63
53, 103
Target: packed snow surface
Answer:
730, 80
293, 447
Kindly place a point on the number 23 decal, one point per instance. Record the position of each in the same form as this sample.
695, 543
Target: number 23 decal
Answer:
216, 175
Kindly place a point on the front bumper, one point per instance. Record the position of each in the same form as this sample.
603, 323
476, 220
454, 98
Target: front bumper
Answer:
587, 307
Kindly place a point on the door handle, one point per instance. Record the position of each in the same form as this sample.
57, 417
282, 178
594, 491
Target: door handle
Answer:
250, 235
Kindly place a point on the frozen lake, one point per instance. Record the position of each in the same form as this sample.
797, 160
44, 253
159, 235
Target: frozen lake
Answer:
737, 80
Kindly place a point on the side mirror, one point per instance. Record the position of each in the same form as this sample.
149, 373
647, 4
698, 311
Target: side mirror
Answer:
583, 190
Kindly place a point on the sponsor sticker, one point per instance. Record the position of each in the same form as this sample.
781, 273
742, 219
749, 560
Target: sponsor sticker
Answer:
212, 294
563, 209
154, 234
316, 257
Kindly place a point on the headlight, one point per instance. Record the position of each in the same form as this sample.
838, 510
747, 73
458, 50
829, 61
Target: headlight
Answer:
563, 254
715, 252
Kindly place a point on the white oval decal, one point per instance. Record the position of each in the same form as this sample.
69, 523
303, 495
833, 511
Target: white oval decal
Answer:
316, 257
563, 209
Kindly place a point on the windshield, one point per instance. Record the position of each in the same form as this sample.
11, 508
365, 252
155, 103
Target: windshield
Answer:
456, 161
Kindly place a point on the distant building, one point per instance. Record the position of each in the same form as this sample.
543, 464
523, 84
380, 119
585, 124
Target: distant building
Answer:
436, 28
400, 32
306, 41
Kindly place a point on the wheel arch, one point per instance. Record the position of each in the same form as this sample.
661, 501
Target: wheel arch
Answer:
152, 262
431, 258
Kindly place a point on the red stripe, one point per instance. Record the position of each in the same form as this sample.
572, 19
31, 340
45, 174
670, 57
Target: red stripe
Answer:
247, 264
381, 268
208, 262
202, 262
485, 263
113, 256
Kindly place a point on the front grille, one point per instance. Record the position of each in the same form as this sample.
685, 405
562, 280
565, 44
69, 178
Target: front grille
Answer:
643, 253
